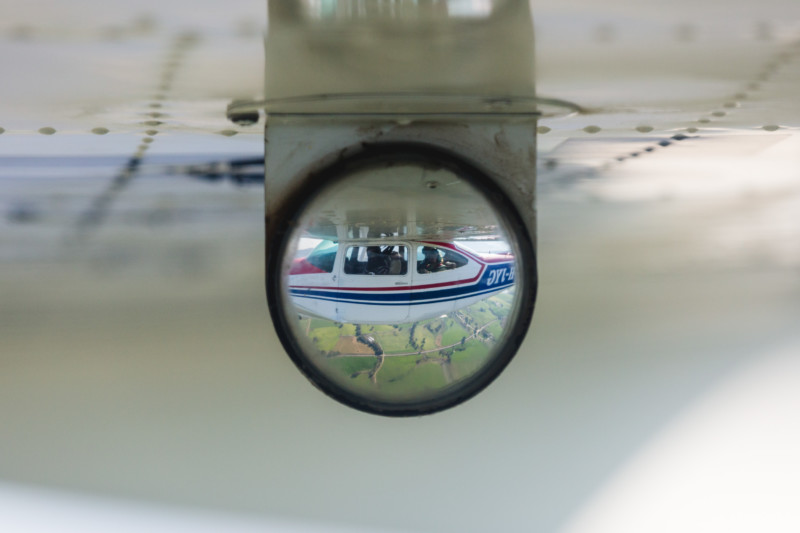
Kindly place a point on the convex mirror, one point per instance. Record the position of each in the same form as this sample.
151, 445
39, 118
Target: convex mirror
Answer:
401, 280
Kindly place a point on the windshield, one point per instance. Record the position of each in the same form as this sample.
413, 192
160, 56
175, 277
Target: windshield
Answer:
323, 255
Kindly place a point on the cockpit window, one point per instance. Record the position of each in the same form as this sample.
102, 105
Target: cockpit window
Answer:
323, 255
389, 260
432, 259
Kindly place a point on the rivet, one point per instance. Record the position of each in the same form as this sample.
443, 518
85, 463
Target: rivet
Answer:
703, 120
644, 129
691, 129
771, 127
542, 129
147, 140
591, 129
730, 105
228, 133
152, 132
152, 123
100, 131
2, 130
47, 130
718, 113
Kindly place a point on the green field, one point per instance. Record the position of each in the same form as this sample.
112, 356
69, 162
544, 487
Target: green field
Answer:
350, 365
321, 323
454, 334
425, 339
325, 338
347, 330
466, 362
406, 377
496, 329
401, 377
395, 342
396, 369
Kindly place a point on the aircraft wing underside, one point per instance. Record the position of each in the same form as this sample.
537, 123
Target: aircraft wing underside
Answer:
658, 388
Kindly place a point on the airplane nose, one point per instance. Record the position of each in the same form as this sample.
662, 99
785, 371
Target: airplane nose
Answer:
407, 302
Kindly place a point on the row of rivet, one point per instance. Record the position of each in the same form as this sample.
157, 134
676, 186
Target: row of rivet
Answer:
100, 130
101, 204
772, 66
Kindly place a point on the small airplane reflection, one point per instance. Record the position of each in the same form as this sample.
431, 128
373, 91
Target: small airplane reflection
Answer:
394, 280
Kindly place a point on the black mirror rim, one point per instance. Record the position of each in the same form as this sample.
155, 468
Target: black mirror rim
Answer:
379, 155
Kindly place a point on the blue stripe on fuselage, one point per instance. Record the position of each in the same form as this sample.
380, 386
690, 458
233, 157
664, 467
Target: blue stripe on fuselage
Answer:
412, 297
376, 300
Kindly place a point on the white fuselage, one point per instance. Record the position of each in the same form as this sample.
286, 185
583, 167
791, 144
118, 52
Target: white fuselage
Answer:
404, 288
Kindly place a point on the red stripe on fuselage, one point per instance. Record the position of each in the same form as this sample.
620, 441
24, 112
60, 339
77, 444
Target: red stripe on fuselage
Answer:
401, 288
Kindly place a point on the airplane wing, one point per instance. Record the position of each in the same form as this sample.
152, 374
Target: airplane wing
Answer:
657, 389
393, 206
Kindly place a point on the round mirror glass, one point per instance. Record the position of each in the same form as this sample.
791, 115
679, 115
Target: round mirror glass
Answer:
404, 281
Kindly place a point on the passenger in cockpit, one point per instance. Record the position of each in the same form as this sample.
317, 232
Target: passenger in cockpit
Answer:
377, 262
397, 265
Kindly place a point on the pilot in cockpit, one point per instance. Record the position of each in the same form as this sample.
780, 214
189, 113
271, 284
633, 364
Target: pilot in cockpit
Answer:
377, 262
432, 261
